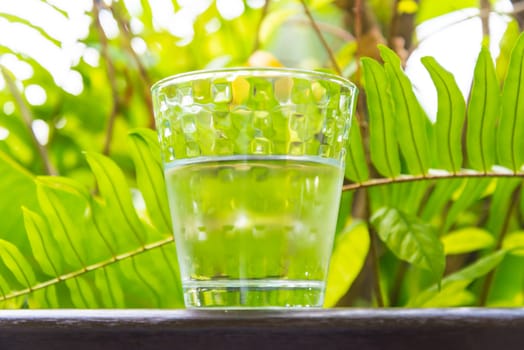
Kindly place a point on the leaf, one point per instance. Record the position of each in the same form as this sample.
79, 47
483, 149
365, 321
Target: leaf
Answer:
356, 165
150, 178
441, 194
483, 110
514, 243
45, 249
110, 287
506, 288
502, 202
450, 116
62, 204
462, 278
15, 261
382, 139
509, 38
410, 239
411, 119
473, 190
347, 260
82, 293
467, 240
113, 187
45, 298
15, 180
510, 137
431, 9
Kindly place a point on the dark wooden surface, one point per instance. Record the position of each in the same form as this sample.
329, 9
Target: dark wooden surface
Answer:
360, 329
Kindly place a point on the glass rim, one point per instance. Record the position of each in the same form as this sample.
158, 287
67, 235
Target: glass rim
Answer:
251, 71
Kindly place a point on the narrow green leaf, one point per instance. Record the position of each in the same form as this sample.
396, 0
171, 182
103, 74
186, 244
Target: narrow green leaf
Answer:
24, 22
45, 249
450, 116
64, 205
410, 239
467, 240
483, 110
510, 137
453, 294
473, 190
349, 255
150, 178
462, 278
441, 194
506, 288
114, 189
514, 243
356, 164
45, 298
110, 287
15, 261
82, 293
407, 197
501, 203
382, 139
411, 129
15, 180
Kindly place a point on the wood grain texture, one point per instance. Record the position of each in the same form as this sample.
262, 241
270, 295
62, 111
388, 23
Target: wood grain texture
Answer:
302, 329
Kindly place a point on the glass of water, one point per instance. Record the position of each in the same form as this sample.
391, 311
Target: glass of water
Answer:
254, 164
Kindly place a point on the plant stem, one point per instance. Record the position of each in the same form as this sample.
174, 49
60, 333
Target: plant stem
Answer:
414, 178
315, 27
265, 10
110, 70
485, 7
27, 118
376, 268
488, 281
143, 74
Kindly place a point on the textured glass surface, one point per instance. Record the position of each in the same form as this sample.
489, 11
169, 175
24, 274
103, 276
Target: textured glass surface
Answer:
253, 112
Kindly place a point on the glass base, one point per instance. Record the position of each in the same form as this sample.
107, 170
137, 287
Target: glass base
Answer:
259, 293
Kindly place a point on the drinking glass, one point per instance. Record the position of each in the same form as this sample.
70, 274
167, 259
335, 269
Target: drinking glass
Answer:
254, 164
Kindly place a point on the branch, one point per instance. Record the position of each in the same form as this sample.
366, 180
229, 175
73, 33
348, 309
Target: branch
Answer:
256, 44
27, 118
321, 37
110, 70
415, 178
144, 75
485, 7
518, 7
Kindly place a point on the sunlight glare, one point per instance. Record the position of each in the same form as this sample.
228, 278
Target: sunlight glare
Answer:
4, 133
41, 130
230, 9
9, 108
35, 95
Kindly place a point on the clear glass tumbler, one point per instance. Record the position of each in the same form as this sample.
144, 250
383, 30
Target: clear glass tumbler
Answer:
254, 164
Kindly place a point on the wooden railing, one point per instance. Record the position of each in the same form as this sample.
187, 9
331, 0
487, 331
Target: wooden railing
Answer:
361, 329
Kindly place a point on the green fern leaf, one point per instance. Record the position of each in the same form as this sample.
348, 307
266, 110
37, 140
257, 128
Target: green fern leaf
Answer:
412, 121
356, 165
383, 143
15, 261
510, 137
43, 245
483, 111
410, 239
450, 116
149, 176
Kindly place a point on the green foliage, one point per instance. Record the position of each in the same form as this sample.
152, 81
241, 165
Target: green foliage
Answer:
444, 197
